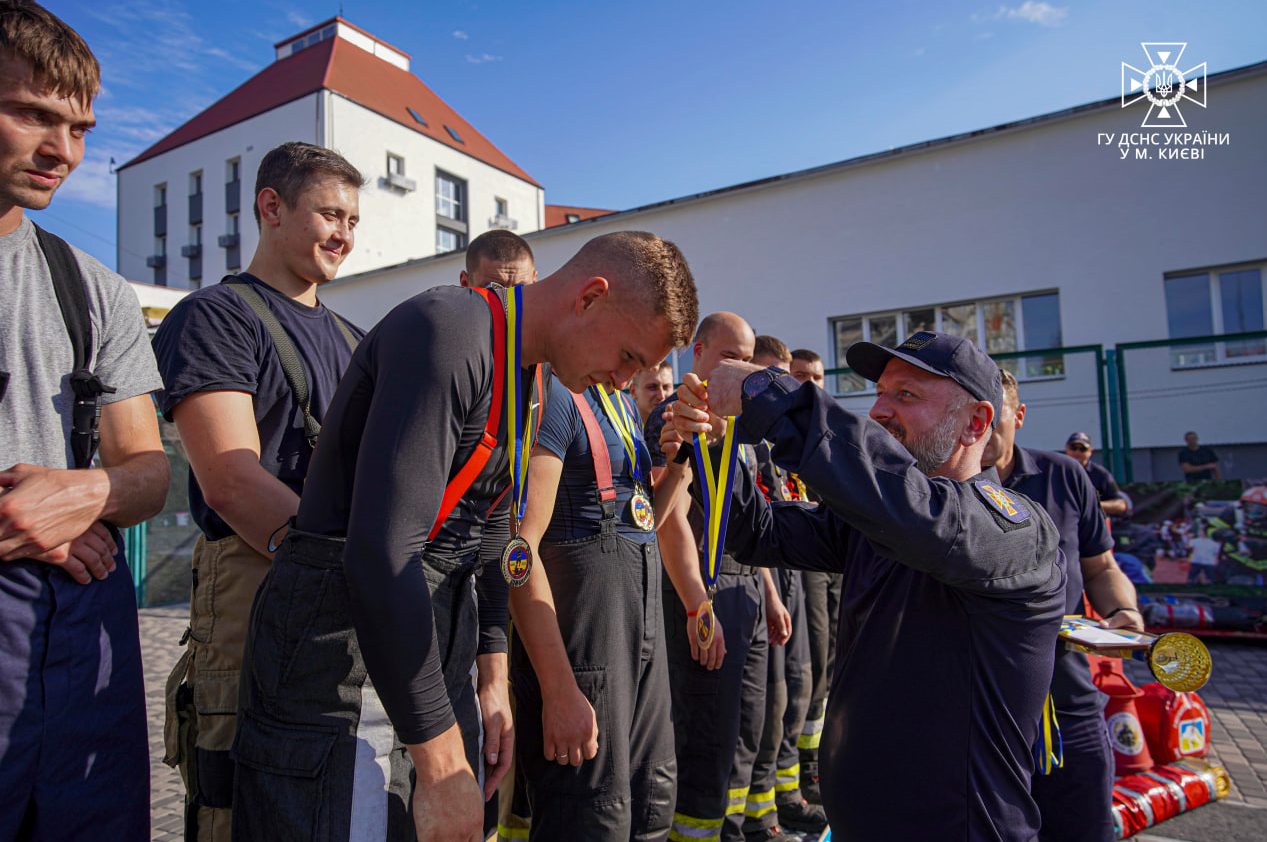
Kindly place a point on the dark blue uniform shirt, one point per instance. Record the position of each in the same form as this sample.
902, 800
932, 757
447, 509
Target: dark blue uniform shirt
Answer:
1103, 482
1060, 485
951, 599
577, 512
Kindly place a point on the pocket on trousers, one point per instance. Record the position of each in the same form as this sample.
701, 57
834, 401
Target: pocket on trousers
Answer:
594, 776
281, 776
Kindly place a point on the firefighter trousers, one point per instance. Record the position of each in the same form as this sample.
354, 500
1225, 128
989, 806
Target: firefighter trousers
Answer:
607, 597
717, 714
202, 690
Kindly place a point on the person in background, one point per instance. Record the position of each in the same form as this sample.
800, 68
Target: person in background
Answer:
1197, 461
650, 387
1075, 798
1112, 502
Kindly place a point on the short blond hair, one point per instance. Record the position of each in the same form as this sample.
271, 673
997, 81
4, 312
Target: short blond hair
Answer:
644, 267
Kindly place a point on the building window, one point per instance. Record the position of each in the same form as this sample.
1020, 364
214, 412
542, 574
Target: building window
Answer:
450, 197
193, 251
453, 134
447, 240
1227, 300
502, 206
396, 173
160, 210
195, 198
232, 243
573, 217
417, 117
158, 261
233, 185
1001, 325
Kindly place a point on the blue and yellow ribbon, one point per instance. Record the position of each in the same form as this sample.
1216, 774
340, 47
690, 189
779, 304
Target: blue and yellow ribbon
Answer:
1049, 752
623, 424
517, 437
716, 493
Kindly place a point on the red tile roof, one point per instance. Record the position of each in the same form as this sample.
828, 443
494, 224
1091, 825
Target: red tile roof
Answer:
346, 69
558, 214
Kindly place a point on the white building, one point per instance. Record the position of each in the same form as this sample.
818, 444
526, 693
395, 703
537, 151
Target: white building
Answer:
434, 181
1025, 236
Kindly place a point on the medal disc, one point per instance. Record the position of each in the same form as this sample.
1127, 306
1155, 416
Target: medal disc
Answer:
704, 625
517, 562
641, 510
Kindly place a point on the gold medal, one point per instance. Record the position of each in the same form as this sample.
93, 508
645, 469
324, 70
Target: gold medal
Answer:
641, 510
517, 562
704, 624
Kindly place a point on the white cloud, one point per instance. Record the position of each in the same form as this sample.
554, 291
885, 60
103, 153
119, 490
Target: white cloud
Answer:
299, 19
92, 182
461, 35
1040, 13
480, 59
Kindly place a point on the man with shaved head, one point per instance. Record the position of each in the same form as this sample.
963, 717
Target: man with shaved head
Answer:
953, 585
498, 257
718, 689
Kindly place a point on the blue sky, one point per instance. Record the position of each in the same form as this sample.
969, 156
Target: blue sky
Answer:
617, 105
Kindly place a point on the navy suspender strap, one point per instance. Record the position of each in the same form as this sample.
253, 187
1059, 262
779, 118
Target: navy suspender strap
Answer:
68, 283
286, 353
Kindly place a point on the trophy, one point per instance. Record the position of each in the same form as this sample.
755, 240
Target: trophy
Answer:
1176, 659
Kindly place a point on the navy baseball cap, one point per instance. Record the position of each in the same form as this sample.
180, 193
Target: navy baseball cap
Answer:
937, 353
1079, 438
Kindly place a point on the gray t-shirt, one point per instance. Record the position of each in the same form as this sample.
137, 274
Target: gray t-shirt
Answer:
35, 349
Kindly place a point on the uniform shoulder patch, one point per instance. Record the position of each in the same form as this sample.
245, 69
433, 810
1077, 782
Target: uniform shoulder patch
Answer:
1007, 505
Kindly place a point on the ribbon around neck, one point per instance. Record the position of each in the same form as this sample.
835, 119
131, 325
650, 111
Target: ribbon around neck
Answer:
517, 436
716, 493
623, 424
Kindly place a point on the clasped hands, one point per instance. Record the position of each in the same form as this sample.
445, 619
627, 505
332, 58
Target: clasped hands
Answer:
704, 408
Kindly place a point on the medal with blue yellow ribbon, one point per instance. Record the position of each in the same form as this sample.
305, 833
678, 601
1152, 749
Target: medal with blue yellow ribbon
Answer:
715, 489
517, 557
640, 509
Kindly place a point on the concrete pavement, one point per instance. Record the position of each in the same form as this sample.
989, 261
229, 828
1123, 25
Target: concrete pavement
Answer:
1236, 696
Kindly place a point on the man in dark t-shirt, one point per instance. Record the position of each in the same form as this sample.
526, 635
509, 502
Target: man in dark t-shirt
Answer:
346, 728
1197, 461
1112, 502
1075, 799
244, 431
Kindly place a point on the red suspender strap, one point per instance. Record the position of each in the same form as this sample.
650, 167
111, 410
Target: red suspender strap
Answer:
488, 442
598, 448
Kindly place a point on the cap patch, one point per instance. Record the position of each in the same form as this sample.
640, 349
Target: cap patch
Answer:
1005, 504
917, 341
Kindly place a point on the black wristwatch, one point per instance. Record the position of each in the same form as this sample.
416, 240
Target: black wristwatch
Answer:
757, 382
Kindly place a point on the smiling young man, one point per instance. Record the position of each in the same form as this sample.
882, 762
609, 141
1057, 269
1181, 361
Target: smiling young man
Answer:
73, 749
347, 730
248, 437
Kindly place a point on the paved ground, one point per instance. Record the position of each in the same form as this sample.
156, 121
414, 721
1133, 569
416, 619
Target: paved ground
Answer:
1236, 696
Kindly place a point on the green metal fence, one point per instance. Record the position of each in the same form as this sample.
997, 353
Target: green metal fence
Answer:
1224, 374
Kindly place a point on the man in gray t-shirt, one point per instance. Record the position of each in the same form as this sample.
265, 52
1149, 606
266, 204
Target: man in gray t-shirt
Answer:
73, 747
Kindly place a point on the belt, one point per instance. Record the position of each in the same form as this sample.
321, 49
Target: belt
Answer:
311, 549
733, 568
